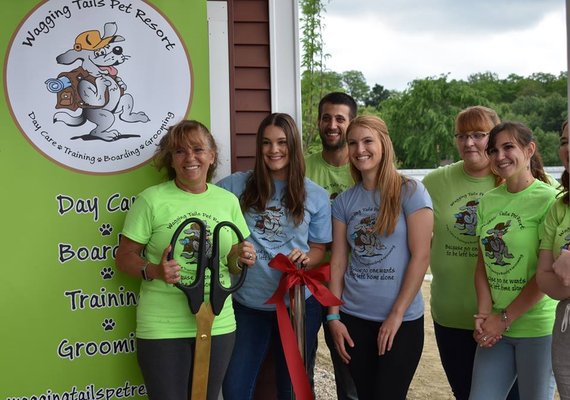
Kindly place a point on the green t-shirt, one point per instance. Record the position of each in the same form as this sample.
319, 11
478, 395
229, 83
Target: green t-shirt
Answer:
509, 236
333, 179
163, 310
556, 229
455, 196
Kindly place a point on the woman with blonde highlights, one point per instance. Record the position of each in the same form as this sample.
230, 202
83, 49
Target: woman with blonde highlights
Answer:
381, 238
166, 328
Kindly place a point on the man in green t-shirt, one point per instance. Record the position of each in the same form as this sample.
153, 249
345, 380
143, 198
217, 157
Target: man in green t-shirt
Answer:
330, 169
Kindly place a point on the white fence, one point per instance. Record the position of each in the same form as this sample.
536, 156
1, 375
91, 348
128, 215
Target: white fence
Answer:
419, 174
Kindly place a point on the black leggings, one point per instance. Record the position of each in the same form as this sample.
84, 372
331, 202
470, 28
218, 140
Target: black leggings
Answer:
166, 365
388, 376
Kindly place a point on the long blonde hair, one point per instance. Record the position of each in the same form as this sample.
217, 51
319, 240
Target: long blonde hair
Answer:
388, 180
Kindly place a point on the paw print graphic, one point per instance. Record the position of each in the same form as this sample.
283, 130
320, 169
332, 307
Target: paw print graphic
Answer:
108, 324
107, 273
105, 229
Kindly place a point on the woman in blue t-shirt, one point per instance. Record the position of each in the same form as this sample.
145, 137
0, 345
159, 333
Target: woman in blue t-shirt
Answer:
286, 213
381, 245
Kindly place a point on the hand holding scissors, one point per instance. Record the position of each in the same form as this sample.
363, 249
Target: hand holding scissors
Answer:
168, 269
195, 241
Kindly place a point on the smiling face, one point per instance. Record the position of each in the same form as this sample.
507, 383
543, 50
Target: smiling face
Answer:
508, 158
364, 149
332, 125
275, 151
191, 163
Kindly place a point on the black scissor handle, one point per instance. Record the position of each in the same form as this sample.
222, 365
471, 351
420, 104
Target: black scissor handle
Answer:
195, 290
219, 293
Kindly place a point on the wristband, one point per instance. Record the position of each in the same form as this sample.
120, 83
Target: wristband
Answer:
143, 272
333, 317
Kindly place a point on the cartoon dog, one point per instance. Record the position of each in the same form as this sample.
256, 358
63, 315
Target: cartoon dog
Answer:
495, 246
98, 90
466, 218
366, 242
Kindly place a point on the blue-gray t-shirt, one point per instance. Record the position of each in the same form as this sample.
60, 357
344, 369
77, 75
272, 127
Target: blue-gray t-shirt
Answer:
273, 232
377, 263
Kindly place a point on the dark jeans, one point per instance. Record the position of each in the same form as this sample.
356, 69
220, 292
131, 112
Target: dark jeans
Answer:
257, 332
388, 376
167, 364
457, 352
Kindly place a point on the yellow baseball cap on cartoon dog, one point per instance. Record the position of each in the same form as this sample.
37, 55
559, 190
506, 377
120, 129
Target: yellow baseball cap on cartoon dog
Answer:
91, 40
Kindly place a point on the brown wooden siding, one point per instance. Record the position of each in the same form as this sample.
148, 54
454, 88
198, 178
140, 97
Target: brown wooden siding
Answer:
250, 76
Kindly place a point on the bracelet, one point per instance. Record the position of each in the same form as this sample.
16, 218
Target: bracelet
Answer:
505, 319
333, 317
144, 273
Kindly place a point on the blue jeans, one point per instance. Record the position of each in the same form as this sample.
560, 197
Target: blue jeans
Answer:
496, 368
257, 333
457, 352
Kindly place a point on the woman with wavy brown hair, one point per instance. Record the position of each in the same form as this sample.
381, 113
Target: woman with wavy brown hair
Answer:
286, 213
513, 324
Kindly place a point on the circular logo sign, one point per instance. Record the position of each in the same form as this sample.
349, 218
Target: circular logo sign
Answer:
94, 85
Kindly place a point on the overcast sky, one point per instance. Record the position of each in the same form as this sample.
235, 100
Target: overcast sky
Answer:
395, 41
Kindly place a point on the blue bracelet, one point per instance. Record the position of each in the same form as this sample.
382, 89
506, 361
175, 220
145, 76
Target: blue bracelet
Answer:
332, 317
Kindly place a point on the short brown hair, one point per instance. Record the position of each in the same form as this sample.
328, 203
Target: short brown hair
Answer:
184, 134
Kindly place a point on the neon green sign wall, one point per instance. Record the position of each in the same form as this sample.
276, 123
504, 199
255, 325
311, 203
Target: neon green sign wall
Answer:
90, 87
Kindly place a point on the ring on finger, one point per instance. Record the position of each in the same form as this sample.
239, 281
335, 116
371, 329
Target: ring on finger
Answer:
485, 338
249, 256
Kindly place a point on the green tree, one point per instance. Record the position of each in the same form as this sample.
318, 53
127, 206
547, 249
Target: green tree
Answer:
376, 96
312, 63
355, 85
548, 146
421, 120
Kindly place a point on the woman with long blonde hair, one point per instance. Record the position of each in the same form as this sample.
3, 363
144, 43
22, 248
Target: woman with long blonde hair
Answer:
381, 243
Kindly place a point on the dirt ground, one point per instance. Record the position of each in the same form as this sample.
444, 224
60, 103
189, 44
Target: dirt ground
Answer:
429, 381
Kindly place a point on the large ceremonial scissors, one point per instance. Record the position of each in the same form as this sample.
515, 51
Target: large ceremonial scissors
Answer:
193, 234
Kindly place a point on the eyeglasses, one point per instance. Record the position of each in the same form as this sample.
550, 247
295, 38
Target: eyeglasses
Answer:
475, 136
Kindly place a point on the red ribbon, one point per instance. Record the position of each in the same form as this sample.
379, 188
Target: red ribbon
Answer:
291, 277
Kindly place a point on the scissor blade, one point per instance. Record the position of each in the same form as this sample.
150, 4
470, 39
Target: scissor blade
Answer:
204, 322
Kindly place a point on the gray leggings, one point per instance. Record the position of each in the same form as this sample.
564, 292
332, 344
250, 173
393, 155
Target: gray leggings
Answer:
166, 365
561, 349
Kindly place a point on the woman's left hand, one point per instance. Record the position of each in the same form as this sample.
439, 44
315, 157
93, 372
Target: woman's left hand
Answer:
490, 332
387, 332
298, 257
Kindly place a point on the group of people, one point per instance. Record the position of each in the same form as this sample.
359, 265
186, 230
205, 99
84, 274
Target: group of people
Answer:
493, 228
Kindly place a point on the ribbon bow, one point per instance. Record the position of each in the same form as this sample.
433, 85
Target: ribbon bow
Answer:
312, 279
